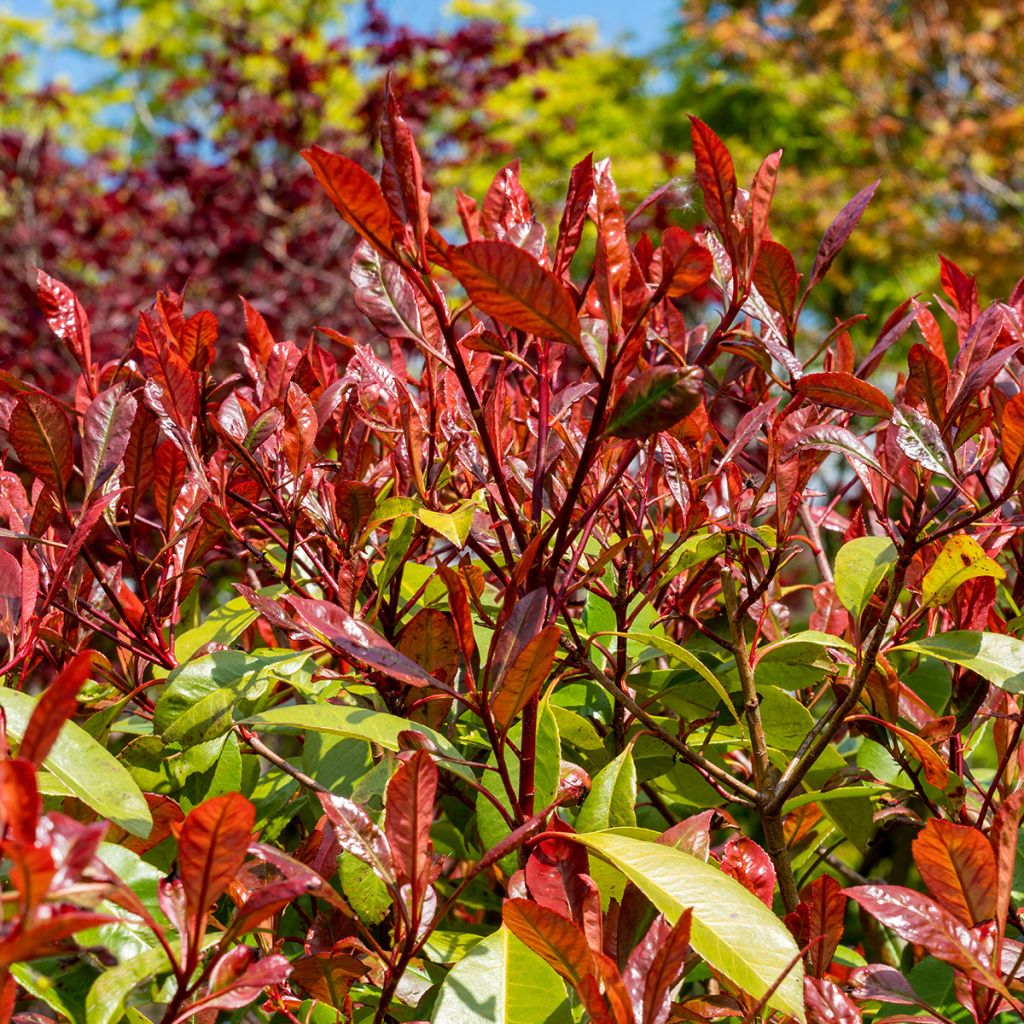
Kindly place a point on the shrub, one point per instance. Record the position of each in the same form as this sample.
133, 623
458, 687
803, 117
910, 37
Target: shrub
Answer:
594, 641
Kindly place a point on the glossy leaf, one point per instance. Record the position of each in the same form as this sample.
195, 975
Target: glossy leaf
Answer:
41, 435
994, 656
748, 863
1012, 435
560, 943
958, 866
612, 797
55, 706
861, 566
359, 641
920, 920
731, 928
85, 767
408, 815
687, 263
65, 315
845, 391
106, 429
658, 398
776, 278
524, 676
715, 173
501, 981
508, 284
359, 723
212, 846
839, 231
921, 441
961, 559
356, 196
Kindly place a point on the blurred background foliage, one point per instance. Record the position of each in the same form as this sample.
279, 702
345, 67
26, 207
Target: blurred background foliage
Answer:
171, 154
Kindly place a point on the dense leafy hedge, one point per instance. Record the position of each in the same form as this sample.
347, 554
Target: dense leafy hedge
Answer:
599, 643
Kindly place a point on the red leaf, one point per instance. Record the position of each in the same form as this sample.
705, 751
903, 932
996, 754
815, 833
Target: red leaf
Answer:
298, 436
1013, 430
745, 861
359, 835
957, 864
506, 204
462, 616
212, 847
173, 381
429, 639
65, 315
508, 284
56, 705
401, 177
838, 233
574, 215
356, 196
692, 835
715, 175
817, 922
524, 676
554, 939
1003, 835
761, 192
776, 279
268, 901
827, 1003
41, 435
44, 938
241, 991
612, 259
198, 340
936, 771
654, 967
357, 640
19, 799
686, 263
844, 391
553, 875
928, 381
327, 976
257, 335
106, 428
408, 815
922, 921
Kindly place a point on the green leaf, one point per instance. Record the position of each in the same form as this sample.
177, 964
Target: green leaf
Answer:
861, 565
208, 718
611, 802
48, 990
995, 657
105, 1003
360, 723
85, 767
246, 676
681, 654
799, 659
732, 929
961, 559
501, 981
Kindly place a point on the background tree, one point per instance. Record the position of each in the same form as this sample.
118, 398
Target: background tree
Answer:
924, 95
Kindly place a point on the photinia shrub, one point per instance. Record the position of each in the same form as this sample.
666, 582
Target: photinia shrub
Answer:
607, 640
